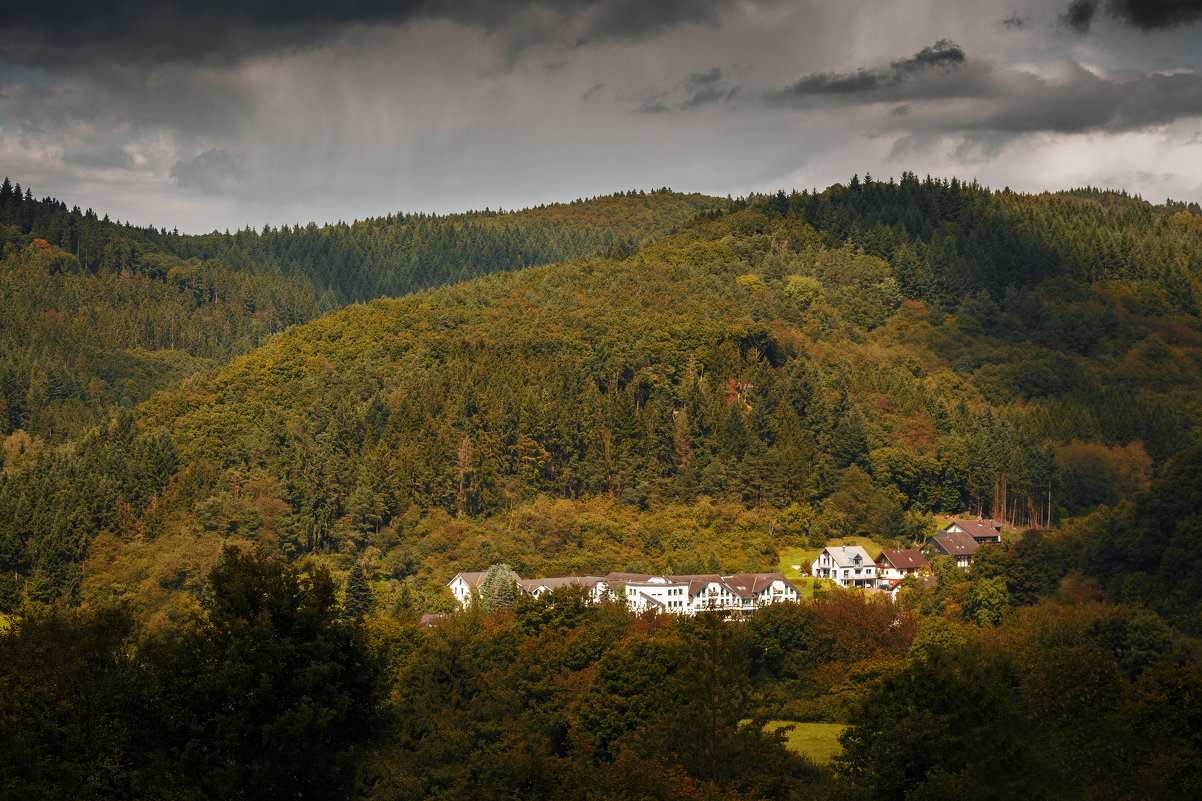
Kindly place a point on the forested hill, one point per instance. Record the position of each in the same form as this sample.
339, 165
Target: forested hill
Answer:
793, 368
397, 254
96, 315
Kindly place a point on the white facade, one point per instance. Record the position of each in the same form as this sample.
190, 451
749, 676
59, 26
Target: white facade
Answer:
676, 595
846, 565
462, 586
658, 592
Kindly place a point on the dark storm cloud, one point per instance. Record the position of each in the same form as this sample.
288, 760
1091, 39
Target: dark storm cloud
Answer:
65, 33
940, 91
942, 56
1146, 15
634, 19
1090, 103
1079, 15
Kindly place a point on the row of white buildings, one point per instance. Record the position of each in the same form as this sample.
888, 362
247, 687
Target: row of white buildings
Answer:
677, 595
845, 565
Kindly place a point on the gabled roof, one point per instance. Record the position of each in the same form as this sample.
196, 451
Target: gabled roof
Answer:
472, 579
698, 582
954, 543
626, 578
531, 585
980, 528
909, 559
843, 555
746, 585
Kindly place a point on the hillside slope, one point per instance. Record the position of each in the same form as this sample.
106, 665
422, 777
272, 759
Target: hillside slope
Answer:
758, 379
95, 315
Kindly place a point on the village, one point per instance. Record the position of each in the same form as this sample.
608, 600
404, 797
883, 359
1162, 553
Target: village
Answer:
741, 593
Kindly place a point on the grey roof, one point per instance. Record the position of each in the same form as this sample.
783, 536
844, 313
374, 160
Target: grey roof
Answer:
749, 584
530, 585
697, 582
844, 555
472, 579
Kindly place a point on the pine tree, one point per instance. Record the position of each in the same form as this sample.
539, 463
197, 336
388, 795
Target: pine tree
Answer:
358, 595
497, 588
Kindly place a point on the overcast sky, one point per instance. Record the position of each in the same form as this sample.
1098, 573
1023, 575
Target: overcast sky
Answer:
283, 111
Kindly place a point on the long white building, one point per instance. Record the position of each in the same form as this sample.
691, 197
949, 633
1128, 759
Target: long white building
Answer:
675, 595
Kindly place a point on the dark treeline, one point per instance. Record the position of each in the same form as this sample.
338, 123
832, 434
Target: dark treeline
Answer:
398, 254
949, 240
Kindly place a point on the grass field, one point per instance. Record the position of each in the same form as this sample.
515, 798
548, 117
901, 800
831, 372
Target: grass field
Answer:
818, 741
804, 557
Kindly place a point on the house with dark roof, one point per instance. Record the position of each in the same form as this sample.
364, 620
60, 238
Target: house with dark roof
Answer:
959, 545
893, 566
984, 530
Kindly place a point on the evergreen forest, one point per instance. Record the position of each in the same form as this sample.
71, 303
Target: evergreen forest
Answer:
237, 469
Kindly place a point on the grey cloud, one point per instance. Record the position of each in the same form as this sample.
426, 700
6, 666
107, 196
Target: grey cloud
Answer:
110, 157
709, 95
940, 91
705, 88
1145, 15
652, 107
592, 90
1015, 22
699, 79
943, 56
58, 34
698, 89
214, 171
1009, 104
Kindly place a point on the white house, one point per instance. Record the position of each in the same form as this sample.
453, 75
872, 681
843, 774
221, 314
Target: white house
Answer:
462, 586
657, 592
760, 589
707, 591
846, 565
